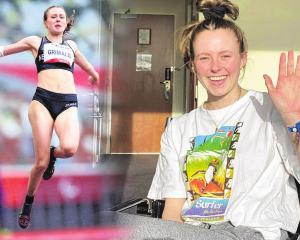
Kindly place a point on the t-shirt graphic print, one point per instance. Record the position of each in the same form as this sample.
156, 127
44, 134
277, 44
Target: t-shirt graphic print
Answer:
208, 171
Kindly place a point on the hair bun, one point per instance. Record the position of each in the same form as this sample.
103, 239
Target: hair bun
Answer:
217, 9
214, 12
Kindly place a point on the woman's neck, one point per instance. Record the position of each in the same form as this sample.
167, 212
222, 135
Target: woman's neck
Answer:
214, 102
55, 38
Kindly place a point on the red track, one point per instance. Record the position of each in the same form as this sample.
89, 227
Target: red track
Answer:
108, 233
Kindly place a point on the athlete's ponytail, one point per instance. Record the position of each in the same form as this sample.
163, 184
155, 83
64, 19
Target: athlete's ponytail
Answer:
71, 21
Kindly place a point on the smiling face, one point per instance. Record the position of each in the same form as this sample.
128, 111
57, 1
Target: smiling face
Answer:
218, 62
55, 20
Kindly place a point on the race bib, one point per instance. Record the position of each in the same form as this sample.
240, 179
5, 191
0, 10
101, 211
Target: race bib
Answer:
57, 53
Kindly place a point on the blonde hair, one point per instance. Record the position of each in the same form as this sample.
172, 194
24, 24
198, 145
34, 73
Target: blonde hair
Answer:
214, 12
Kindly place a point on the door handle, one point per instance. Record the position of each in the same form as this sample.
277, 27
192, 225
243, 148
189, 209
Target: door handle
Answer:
166, 89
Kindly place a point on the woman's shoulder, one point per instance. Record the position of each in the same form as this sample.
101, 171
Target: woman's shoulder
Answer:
72, 44
263, 98
32, 42
33, 39
185, 118
263, 104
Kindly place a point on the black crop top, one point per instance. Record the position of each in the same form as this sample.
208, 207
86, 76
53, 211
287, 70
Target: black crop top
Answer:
54, 56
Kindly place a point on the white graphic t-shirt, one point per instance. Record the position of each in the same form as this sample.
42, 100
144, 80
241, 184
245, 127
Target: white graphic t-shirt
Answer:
238, 173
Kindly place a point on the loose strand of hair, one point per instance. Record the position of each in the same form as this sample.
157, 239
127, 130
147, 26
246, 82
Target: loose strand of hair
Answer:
185, 38
71, 21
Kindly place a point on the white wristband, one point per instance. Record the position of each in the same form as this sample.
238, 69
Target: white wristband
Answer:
1, 51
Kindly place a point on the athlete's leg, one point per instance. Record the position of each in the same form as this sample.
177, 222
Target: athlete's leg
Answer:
42, 127
67, 129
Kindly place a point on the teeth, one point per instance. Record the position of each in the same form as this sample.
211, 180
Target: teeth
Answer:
217, 78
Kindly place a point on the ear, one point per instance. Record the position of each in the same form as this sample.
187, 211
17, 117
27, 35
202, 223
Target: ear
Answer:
244, 57
45, 25
192, 67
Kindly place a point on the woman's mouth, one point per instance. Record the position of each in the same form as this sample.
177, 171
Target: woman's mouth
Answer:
217, 78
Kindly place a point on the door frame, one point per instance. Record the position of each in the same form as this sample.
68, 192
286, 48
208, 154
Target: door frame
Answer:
179, 99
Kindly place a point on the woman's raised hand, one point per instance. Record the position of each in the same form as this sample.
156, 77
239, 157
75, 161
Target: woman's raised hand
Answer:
286, 94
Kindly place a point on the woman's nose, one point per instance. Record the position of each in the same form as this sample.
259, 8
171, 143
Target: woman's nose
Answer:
215, 65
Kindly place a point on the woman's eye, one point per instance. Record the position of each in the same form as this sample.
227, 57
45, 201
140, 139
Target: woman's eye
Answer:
226, 56
203, 58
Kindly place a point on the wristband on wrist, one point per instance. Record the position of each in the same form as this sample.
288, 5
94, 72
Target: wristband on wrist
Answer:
1, 51
295, 128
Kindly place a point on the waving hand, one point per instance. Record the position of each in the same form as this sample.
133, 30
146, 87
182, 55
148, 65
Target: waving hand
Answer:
286, 94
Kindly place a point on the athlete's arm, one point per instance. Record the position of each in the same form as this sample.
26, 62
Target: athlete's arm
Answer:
172, 209
25, 44
84, 64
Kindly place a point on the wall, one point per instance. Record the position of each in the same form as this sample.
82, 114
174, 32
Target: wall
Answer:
173, 7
